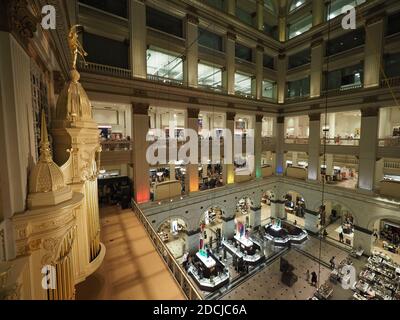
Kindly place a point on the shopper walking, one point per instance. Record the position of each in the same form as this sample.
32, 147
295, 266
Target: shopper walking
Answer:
314, 279
332, 263
341, 236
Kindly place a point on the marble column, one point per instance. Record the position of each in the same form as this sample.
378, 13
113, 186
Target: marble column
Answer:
192, 54
228, 170
368, 149
314, 147
363, 239
141, 166
228, 228
282, 29
192, 170
280, 141
278, 209
318, 11
192, 241
260, 15
230, 7
259, 71
379, 167
255, 217
281, 79
258, 146
373, 51
230, 67
311, 221
316, 68
138, 38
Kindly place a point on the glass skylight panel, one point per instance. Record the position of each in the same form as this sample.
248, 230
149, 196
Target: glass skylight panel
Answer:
164, 65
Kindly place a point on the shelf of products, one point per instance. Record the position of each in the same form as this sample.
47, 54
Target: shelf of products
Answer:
379, 280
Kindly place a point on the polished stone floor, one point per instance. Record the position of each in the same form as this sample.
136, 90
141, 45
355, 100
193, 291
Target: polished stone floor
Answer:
132, 269
267, 284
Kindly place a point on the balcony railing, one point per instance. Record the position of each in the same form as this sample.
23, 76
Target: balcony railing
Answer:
302, 97
166, 80
244, 94
213, 88
268, 141
389, 142
121, 145
105, 70
392, 165
341, 141
179, 274
296, 140
390, 82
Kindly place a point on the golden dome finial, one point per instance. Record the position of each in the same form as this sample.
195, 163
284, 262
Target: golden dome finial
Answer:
45, 153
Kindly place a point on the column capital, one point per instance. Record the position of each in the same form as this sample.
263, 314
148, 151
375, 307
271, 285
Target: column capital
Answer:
230, 116
315, 117
260, 48
317, 40
192, 19
282, 56
231, 36
193, 113
374, 15
259, 118
140, 108
280, 119
369, 112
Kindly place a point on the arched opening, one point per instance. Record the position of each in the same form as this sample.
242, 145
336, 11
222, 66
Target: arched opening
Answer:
295, 208
212, 222
174, 232
243, 208
386, 237
339, 222
266, 207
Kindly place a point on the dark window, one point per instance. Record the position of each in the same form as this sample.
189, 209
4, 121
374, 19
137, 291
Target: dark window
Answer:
164, 22
346, 42
392, 65
268, 61
219, 4
106, 51
244, 16
393, 24
243, 52
117, 7
298, 88
210, 40
346, 77
272, 31
299, 59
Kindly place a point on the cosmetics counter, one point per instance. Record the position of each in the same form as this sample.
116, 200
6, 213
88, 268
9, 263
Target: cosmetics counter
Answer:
208, 272
282, 233
244, 248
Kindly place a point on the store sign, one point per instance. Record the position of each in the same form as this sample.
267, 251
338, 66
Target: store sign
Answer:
49, 281
191, 144
349, 20
49, 17
349, 278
